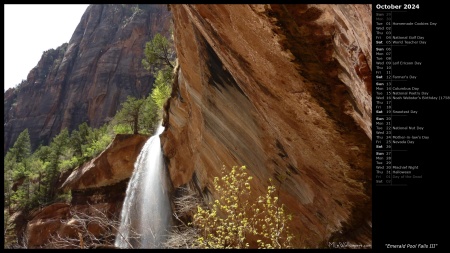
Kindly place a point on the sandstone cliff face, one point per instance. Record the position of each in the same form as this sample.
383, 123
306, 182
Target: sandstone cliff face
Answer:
86, 79
286, 91
98, 185
114, 164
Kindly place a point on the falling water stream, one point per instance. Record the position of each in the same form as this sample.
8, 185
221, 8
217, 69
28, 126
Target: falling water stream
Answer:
146, 211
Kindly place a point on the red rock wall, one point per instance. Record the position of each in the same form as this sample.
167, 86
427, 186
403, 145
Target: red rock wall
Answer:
286, 91
86, 79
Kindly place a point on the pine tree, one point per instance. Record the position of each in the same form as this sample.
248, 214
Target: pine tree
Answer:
130, 113
22, 147
16, 169
58, 145
159, 54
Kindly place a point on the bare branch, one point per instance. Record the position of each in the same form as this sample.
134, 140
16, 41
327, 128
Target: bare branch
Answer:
105, 230
184, 236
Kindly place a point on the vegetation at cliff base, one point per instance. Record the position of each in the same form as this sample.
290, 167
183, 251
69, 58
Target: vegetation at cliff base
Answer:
31, 179
237, 219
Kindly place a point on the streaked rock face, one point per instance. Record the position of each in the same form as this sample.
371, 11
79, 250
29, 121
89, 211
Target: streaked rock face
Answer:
286, 91
86, 79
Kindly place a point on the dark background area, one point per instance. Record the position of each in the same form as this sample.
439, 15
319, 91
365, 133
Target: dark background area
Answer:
414, 214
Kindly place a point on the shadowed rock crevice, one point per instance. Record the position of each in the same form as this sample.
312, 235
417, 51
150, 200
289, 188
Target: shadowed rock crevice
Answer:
315, 39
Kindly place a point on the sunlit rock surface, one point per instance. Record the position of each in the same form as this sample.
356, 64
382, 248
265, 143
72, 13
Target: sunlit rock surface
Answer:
286, 91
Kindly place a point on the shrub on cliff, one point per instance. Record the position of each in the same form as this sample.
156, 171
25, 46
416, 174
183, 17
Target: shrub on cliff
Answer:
161, 91
239, 220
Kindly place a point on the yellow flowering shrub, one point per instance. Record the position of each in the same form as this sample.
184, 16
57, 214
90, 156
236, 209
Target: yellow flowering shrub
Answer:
232, 221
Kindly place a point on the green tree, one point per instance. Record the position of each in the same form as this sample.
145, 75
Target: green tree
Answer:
76, 143
22, 147
38, 191
150, 116
81, 140
122, 129
161, 90
85, 132
16, 167
40, 162
159, 54
10, 164
130, 113
233, 221
136, 116
58, 146
30, 178
159, 59
98, 140
42, 153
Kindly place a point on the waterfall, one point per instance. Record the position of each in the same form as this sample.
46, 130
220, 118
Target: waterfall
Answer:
146, 211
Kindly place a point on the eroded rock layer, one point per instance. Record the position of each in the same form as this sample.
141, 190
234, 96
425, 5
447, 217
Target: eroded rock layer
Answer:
286, 91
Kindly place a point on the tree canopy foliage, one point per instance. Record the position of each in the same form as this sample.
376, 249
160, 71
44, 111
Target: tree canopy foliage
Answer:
161, 90
159, 54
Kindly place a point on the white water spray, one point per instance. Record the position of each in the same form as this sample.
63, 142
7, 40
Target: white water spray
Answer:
146, 211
